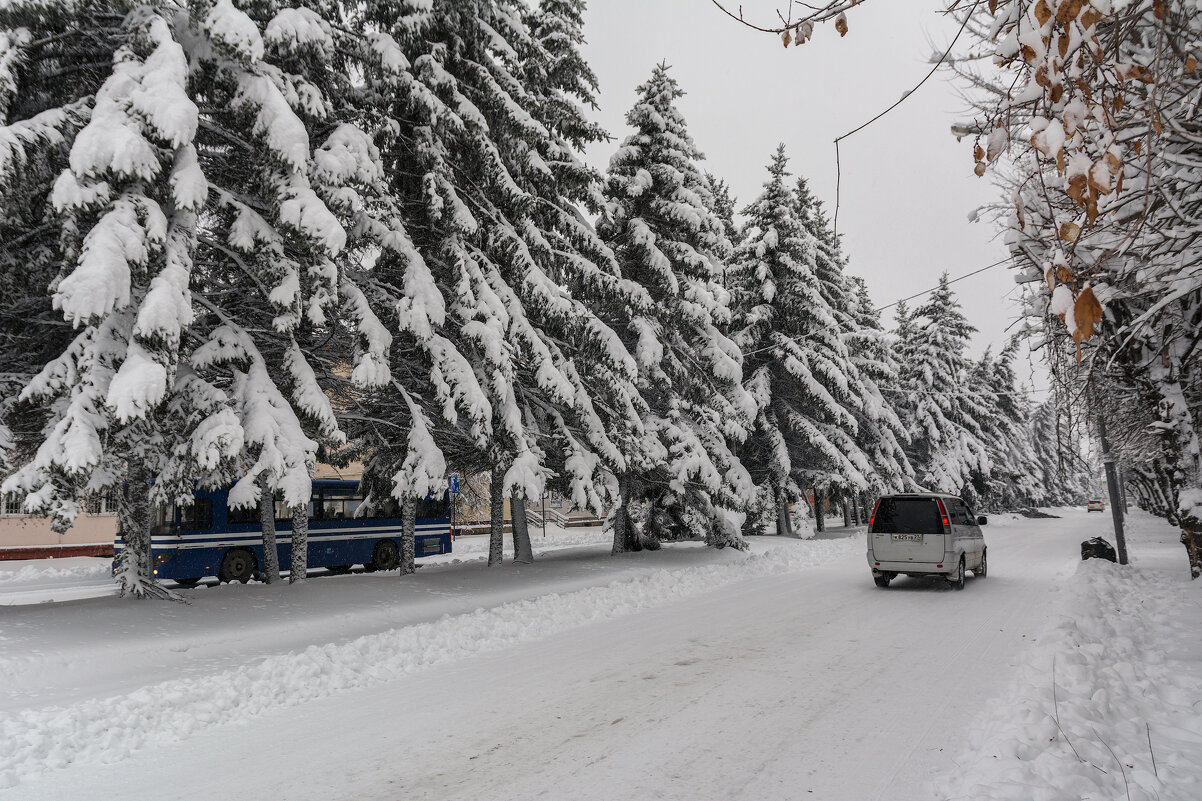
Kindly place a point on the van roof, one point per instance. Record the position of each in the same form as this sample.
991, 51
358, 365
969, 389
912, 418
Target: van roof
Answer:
920, 495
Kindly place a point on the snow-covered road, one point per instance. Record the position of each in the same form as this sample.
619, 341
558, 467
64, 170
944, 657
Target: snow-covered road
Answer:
684, 674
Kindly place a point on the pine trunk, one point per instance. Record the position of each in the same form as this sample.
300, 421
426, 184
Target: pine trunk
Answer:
135, 569
846, 514
855, 509
819, 511
784, 525
408, 538
522, 551
299, 570
496, 517
271, 556
622, 522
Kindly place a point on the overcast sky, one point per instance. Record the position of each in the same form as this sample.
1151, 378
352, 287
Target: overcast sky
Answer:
908, 185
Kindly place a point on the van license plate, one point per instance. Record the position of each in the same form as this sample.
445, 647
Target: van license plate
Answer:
907, 538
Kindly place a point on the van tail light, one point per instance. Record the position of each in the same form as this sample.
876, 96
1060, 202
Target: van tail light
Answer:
872, 516
947, 526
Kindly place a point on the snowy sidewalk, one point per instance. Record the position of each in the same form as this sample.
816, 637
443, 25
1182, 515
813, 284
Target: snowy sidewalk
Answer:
1107, 705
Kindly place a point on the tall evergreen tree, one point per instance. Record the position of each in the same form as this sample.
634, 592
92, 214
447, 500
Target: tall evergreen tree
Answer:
796, 364
881, 435
841, 296
485, 166
670, 244
202, 253
946, 446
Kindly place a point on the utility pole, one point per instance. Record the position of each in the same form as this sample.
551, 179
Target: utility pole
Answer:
1115, 492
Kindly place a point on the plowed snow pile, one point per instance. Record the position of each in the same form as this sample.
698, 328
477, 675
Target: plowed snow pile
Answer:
1108, 706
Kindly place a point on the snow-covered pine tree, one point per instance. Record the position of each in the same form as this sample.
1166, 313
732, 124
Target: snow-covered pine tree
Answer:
796, 362
284, 160
724, 207
660, 221
257, 220
1010, 482
881, 435
842, 297
116, 410
946, 446
490, 175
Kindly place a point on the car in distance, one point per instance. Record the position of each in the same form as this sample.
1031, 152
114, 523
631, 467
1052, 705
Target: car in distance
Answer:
1094, 506
925, 534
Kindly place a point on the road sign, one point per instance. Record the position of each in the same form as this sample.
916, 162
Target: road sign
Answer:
454, 483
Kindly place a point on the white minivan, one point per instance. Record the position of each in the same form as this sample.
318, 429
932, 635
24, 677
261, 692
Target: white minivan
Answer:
925, 534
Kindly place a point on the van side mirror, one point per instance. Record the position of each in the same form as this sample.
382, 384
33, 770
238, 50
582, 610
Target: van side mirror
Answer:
982, 520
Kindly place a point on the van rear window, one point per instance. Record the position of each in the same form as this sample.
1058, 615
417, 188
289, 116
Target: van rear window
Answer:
907, 516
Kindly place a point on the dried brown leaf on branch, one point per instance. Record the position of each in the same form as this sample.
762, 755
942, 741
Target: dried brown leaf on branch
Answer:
841, 24
1068, 11
1087, 312
1043, 12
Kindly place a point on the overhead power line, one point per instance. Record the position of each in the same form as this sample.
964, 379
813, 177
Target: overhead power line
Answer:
952, 281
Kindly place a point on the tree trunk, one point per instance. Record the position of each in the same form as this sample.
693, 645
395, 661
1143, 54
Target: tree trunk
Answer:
299, 570
496, 517
855, 509
1192, 540
408, 540
784, 525
522, 552
624, 538
846, 513
819, 510
271, 556
135, 569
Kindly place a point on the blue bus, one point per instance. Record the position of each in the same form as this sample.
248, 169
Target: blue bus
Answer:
211, 539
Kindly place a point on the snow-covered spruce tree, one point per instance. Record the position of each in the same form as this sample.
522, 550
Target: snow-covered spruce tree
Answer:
659, 220
724, 207
37, 124
346, 304
117, 410
870, 410
491, 173
881, 435
796, 364
1010, 482
946, 446
282, 158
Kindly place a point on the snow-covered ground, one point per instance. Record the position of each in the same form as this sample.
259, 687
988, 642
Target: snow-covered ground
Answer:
685, 673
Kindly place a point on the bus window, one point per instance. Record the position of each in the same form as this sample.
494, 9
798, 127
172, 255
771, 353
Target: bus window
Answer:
338, 508
283, 511
386, 507
431, 508
197, 516
162, 519
243, 514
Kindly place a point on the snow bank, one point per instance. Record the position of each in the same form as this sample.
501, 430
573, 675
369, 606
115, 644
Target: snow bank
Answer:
37, 570
474, 545
106, 730
1114, 682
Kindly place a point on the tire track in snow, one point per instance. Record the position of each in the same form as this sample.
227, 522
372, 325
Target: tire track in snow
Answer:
108, 730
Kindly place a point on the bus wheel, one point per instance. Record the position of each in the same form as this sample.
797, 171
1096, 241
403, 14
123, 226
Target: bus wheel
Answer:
237, 565
385, 556
188, 582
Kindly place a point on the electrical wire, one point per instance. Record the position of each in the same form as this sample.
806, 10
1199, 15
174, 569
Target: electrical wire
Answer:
951, 281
